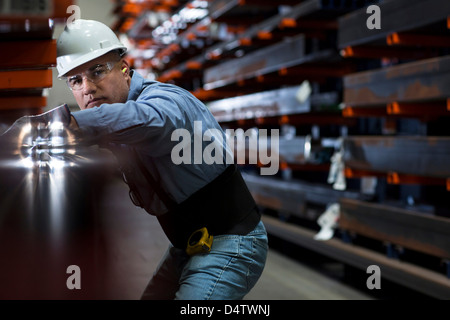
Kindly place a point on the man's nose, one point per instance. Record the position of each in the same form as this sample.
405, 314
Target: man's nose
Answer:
88, 86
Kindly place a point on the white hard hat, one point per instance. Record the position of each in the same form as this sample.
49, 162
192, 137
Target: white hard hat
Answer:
83, 41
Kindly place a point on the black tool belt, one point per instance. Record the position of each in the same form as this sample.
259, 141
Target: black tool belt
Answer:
224, 206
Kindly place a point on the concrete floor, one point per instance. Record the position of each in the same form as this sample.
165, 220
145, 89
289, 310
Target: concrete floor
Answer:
135, 243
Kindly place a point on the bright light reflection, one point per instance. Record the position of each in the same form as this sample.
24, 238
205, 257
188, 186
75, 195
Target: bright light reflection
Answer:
56, 125
26, 129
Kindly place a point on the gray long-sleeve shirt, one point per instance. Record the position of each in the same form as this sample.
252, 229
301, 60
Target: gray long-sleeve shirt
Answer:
158, 121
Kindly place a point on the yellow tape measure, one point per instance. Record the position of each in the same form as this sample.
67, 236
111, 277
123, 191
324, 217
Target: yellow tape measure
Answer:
199, 242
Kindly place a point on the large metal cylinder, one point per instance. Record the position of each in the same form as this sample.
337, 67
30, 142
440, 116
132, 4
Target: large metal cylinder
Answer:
49, 218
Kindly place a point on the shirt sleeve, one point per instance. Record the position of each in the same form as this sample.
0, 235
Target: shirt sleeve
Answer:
150, 119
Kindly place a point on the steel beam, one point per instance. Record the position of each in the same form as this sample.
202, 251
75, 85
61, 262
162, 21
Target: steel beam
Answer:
262, 104
292, 196
416, 81
271, 103
272, 58
221, 8
422, 156
294, 152
396, 16
412, 230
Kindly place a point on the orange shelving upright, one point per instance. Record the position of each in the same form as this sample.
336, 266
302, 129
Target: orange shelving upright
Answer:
27, 56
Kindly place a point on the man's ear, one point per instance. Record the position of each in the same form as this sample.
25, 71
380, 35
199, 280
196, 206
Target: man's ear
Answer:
125, 68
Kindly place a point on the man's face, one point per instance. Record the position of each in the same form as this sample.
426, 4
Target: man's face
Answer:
113, 88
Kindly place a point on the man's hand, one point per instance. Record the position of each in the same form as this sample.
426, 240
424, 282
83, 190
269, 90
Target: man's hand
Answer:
59, 114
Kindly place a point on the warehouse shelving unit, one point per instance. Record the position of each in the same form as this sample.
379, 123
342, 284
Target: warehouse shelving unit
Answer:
407, 94
333, 87
27, 56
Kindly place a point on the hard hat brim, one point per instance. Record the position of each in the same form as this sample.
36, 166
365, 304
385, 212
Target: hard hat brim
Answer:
74, 62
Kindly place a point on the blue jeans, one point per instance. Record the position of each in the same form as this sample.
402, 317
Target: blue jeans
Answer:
228, 272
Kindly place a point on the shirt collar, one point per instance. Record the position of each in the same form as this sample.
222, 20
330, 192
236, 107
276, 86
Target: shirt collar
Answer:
136, 85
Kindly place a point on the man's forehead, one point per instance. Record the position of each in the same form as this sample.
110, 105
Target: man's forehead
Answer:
88, 65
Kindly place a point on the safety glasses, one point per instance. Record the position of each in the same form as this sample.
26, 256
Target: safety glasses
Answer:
94, 74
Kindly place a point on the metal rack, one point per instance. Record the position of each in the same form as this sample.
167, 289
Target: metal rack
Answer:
27, 56
313, 69
405, 86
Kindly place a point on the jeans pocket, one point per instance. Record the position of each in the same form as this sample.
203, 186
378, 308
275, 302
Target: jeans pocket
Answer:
227, 244
259, 235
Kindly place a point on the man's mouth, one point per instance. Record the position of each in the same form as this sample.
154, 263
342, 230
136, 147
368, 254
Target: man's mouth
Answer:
94, 102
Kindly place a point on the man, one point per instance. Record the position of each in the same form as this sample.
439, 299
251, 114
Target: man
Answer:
135, 118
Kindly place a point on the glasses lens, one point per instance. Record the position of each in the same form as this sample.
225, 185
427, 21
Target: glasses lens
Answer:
75, 82
97, 73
